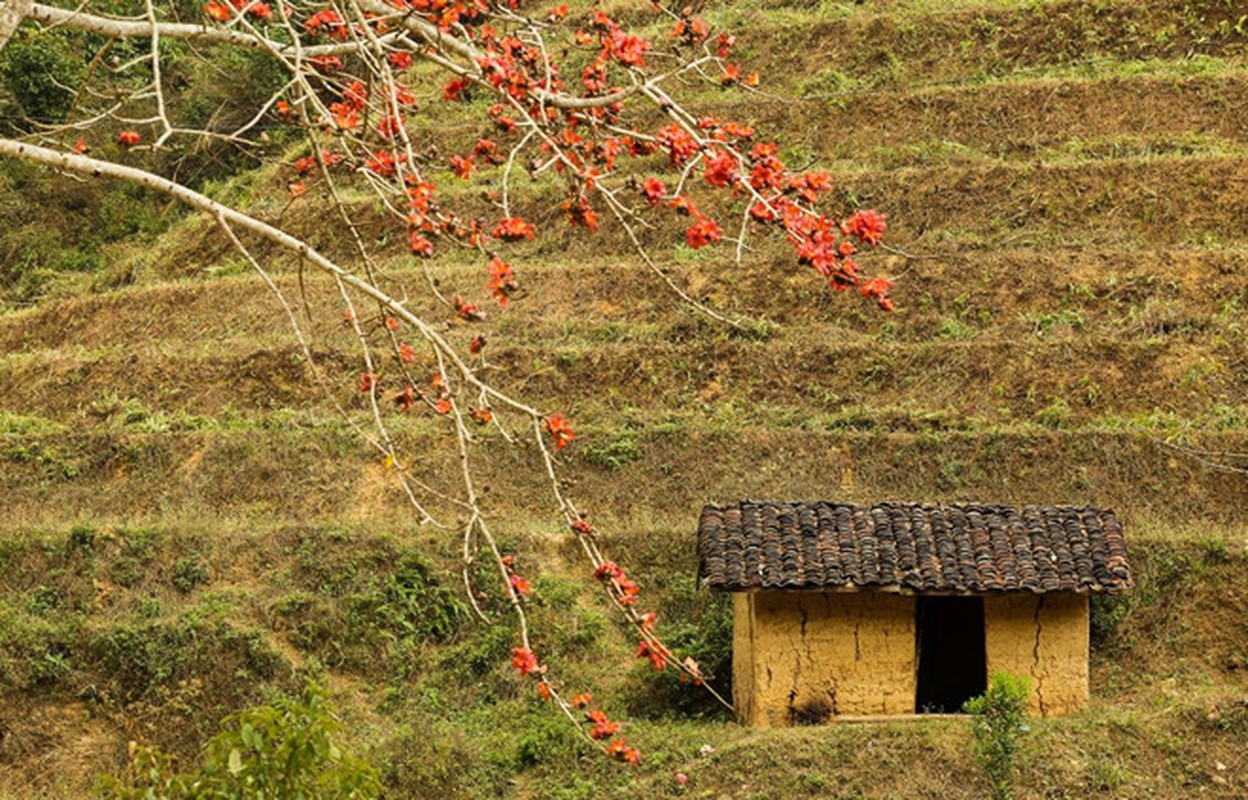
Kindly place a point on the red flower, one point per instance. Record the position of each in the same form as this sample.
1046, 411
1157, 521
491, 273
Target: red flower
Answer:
622, 752
878, 288
543, 691
511, 229
628, 50
327, 21
419, 245
521, 586
683, 205
561, 430
680, 145
405, 398
368, 380
455, 89
462, 167
603, 728
582, 700
655, 652
406, 353
476, 345
523, 659
580, 213
468, 311
721, 169
867, 225
582, 527
488, 150
382, 163
481, 415
218, 11
129, 138
502, 281
703, 232
653, 189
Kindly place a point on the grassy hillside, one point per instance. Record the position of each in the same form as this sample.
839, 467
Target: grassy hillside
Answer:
189, 526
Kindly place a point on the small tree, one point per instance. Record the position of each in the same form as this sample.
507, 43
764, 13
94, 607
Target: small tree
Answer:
998, 723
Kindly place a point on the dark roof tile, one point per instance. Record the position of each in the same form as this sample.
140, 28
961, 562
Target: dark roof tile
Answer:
933, 548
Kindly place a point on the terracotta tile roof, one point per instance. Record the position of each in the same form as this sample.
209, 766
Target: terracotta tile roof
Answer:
912, 546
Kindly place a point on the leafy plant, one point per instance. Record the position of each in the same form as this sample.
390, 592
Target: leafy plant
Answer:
290, 750
998, 724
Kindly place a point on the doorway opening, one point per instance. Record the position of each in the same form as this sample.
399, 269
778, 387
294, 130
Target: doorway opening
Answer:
952, 660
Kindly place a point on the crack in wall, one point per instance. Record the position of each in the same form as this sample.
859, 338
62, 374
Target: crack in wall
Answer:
804, 644
857, 641
1035, 659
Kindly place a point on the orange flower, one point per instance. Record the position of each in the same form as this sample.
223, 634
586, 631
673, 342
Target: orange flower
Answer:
704, 231
523, 659
511, 229
561, 430
521, 586
129, 138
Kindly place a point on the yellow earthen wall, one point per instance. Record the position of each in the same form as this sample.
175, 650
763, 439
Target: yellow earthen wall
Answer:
1044, 637
843, 653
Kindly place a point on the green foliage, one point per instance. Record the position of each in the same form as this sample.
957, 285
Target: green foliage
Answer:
613, 454
377, 618
143, 658
290, 750
545, 737
37, 68
188, 573
34, 648
998, 724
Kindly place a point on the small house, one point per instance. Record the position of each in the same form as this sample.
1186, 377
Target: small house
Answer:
844, 610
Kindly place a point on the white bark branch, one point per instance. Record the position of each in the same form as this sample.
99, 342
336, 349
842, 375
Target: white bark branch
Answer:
12, 12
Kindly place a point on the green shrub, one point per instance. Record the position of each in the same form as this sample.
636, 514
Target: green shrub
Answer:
188, 573
613, 454
998, 723
290, 749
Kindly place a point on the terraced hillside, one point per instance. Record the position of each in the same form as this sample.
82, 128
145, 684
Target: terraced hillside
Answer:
189, 525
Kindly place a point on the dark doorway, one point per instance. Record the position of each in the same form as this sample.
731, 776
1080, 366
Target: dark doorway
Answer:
949, 637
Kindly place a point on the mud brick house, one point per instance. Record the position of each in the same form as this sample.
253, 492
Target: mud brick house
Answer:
902, 608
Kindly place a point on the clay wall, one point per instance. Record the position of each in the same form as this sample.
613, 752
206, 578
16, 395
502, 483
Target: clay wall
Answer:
811, 655
1044, 637
805, 657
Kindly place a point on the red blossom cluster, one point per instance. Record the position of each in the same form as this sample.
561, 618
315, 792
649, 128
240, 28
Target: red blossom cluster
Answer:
560, 430
502, 281
654, 651
626, 590
223, 12
520, 585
